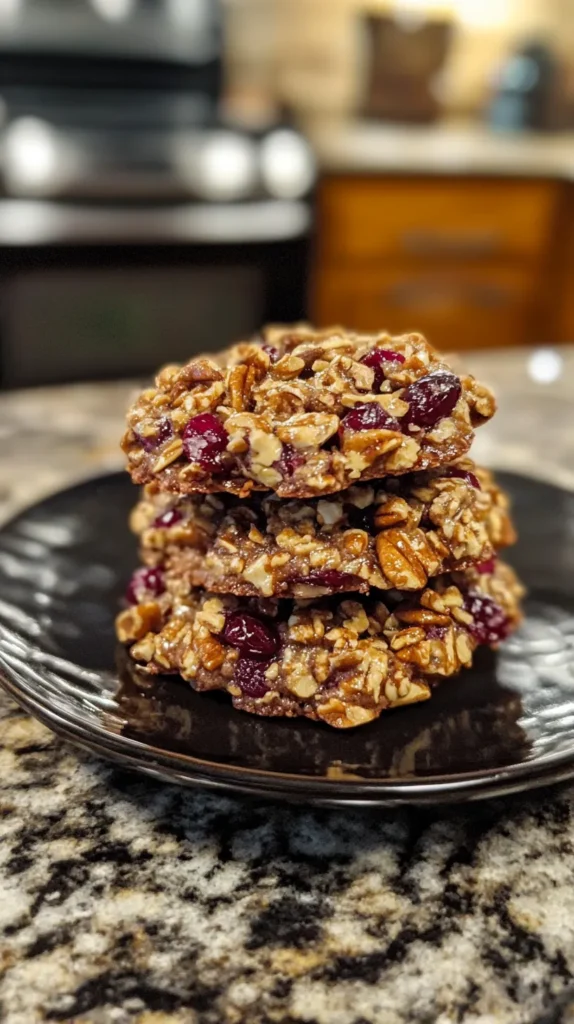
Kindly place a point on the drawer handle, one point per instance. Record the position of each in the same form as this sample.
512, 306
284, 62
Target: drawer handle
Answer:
412, 293
431, 243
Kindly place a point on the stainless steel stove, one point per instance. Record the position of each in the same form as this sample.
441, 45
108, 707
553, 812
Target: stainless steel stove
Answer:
135, 224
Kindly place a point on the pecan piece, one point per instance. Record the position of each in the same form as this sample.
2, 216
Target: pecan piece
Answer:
399, 562
135, 623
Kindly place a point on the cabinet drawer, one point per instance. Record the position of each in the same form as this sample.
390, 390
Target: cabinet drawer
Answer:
439, 218
560, 281
455, 307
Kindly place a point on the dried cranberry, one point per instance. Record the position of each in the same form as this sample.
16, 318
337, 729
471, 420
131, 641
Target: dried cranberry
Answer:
205, 440
431, 398
250, 677
464, 474
486, 568
491, 625
436, 632
369, 416
144, 585
361, 518
168, 518
250, 636
272, 352
333, 579
376, 358
290, 460
164, 433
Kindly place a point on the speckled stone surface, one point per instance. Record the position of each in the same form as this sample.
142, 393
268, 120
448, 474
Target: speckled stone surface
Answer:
123, 900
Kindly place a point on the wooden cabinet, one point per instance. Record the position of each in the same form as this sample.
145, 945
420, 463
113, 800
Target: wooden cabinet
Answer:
456, 306
561, 276
462, 260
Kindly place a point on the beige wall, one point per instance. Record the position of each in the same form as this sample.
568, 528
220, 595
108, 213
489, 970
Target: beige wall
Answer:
309, 52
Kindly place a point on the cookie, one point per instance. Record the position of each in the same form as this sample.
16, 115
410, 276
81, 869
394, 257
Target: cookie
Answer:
391, 534
340, 660
303, 413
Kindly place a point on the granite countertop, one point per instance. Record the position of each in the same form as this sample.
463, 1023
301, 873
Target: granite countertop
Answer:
125, 900
442, 148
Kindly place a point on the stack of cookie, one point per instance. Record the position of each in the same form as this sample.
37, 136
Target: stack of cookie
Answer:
315, 540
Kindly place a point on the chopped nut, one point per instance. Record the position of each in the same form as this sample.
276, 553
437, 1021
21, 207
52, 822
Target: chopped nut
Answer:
135, 622
282, 558
399, 562
405, 456
417, 691
258, 574
307, 429
303, 685
210, 652
377, 672
267, 476
212, 615
236, 385
170, 453
359, 716
144, 649
407, 638
265, 448
355, 542
463, 649
460, 615
329, 512
358, 621
190, 664
288, 367
357, 463
391, 512
361, 496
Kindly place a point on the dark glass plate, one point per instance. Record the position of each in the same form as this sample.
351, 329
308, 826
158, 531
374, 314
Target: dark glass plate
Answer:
507, 724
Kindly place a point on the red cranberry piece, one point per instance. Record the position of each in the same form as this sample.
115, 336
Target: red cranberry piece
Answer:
163, 434
272, 352
486, 568
436, 632
490, 625
376, 359
250, 636
361, 518
168, 518
290, 460
464, 474
205, 440
250, 677
369, 416
431, 398
144, 585
331, 578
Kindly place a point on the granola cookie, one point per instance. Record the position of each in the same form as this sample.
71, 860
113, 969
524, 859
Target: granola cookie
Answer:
391, 534
303, 413
338, 660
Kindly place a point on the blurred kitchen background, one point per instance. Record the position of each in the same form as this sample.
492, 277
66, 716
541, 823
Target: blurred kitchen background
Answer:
173, 173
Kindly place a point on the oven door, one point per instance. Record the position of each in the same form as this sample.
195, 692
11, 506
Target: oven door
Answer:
139, 292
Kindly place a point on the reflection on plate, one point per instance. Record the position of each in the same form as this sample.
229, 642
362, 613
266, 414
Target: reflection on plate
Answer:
507, 724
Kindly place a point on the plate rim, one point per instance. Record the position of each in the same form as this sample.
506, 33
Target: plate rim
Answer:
374, 794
